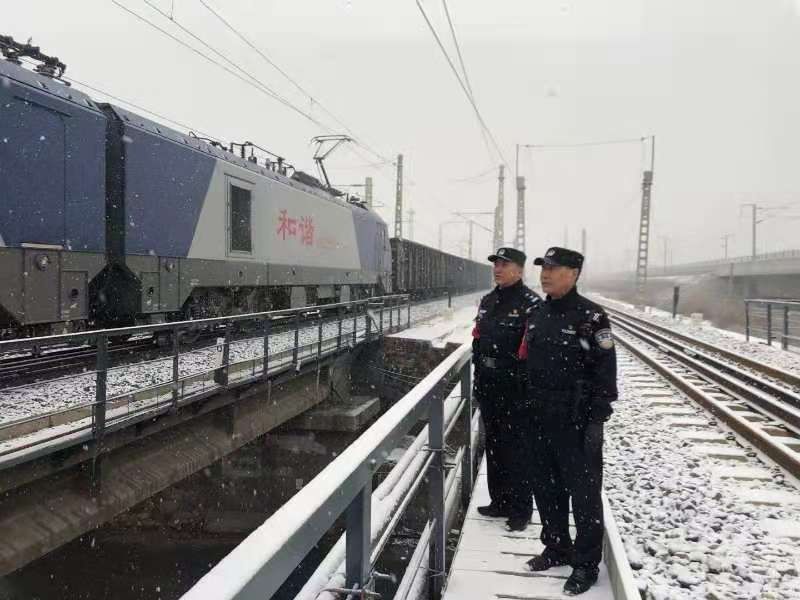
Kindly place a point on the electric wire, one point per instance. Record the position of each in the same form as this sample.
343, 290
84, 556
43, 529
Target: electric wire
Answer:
462, 85
463, 67
130, 103
584, 144
290, 79
221, 66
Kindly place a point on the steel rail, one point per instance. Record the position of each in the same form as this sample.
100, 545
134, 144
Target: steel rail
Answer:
740, 378
750, 363
775, 450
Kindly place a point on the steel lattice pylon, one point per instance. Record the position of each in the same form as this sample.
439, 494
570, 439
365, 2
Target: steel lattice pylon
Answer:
644, 237
499, 235
520, 239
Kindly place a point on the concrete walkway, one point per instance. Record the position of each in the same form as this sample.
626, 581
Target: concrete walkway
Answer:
489, 563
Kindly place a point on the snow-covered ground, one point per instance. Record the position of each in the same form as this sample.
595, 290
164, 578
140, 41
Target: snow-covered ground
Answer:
694, 526
730, 340
79, 390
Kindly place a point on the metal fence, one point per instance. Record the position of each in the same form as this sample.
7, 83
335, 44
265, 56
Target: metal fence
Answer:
261, 563
104, 399
777, 320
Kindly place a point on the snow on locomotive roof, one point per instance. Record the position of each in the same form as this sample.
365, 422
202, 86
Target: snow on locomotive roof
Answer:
56, 87
136, 120
62, 89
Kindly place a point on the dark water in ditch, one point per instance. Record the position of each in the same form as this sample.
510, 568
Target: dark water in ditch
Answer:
160, 548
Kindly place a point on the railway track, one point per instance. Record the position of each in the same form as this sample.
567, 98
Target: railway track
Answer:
57, 361
759, 403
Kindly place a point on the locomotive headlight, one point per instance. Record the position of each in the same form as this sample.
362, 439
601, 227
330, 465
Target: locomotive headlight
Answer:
42, 261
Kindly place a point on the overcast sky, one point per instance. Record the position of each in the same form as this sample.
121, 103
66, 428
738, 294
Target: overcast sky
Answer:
716, 81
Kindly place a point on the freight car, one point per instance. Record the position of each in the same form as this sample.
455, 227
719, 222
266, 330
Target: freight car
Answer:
424, 271
110, 219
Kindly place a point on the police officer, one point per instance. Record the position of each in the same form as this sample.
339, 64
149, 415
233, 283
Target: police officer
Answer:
500, 390
572, 373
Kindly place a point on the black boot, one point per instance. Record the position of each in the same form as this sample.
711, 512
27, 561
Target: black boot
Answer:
547, 560
493, 510
517, 523
582, 578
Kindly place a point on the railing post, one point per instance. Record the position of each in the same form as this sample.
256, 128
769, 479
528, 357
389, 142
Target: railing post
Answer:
466, 464
769, 324
296, 348
391, 316
339, 325
369, 322
747, 320
358, 539
176, 352
785, 340
380, 318
436, 494
399, 314
355, 324
221, 375
408, 313
267, 328
319, 339
100, 403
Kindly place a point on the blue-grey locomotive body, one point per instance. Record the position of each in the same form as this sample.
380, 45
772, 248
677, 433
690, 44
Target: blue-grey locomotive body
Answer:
108, 218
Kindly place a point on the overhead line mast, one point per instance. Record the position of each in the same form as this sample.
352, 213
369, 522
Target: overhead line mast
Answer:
643, 248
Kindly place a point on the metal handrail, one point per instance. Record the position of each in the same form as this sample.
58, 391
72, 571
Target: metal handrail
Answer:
784, 307
174, 393
261, 563
9, 345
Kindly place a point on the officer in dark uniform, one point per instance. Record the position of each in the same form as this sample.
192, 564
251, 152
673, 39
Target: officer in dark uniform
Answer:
500, 389
572, 380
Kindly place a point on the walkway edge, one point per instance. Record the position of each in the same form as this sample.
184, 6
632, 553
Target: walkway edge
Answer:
620, 574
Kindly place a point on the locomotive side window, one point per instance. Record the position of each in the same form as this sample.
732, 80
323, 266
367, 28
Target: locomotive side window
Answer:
240, 221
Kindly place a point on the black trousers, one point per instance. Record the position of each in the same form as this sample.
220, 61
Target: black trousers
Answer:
507, 423
568, 465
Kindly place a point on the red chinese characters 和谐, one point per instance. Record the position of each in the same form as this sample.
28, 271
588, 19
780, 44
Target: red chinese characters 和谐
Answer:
291, 227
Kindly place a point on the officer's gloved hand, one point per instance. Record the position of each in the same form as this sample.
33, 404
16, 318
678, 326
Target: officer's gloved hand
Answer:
593, 438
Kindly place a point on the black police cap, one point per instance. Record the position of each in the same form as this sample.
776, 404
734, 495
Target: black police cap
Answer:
509, 254
560, 257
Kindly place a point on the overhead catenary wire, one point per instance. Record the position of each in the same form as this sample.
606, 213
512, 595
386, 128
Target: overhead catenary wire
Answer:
245, 75
462, 85
585, 144
216, 63
463, 67
314, 100
130, 103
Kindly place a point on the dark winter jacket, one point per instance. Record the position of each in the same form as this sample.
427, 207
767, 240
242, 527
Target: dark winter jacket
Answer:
499, 329
571, 359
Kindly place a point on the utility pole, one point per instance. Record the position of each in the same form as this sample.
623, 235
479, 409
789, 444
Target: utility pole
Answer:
755, 222
725, 239
499, 234
398, 206
583, 251
644, 226
466, 216
665, 240
520, 240
368, 192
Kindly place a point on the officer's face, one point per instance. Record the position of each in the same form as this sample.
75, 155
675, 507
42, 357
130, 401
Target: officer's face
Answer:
557, 281
506, 273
